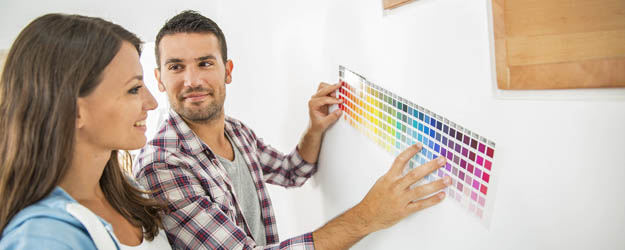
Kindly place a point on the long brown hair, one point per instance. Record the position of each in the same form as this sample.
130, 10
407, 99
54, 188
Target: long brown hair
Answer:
54, 60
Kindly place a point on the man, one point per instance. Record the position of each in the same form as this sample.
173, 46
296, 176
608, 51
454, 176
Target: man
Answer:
211, 169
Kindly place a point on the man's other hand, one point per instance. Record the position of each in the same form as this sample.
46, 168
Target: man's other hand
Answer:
320, 118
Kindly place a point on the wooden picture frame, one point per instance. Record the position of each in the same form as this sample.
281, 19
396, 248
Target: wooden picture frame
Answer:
391, 4
559, 44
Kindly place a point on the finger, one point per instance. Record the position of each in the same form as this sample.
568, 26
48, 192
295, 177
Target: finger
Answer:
400, 161
425, 203
327, 89
322, 85
331, 118
419, 172
428, 189
325, 100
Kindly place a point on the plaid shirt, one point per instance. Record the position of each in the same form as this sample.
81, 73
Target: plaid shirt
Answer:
204, 213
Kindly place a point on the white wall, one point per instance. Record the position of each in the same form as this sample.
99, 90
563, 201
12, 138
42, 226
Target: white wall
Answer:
560, 152
562, 167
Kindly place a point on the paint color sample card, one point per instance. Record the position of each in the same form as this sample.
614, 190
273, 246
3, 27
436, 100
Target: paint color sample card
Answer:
395, 123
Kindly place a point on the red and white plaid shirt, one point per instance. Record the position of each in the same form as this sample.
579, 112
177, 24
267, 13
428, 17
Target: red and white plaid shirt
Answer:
204, 213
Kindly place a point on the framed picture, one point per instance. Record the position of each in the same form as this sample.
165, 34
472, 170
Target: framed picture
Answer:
391, 4
559, 44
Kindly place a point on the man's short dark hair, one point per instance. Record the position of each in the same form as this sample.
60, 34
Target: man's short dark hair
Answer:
190, 22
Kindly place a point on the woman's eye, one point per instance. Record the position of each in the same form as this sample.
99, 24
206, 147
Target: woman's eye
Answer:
134, 90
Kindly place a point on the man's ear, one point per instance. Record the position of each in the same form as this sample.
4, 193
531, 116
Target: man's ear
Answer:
229, 65
80, 115
157, 75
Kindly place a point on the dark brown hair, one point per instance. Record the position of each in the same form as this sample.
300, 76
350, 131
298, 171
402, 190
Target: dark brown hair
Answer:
55, 60
190, 22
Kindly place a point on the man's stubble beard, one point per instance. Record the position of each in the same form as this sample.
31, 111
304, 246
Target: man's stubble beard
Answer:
203, 115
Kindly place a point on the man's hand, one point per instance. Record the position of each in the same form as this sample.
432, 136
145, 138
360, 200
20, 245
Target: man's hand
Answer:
389, 200
318, 106
320, 120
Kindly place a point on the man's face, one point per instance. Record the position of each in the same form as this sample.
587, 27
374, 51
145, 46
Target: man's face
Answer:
194, 75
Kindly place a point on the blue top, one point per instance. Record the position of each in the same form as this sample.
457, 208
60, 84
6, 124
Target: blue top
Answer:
47, 224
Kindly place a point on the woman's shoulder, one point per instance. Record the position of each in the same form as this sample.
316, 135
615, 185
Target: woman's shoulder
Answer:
46, 224
46, 232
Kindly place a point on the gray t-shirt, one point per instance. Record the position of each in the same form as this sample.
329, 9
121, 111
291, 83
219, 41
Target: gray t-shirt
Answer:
245, 192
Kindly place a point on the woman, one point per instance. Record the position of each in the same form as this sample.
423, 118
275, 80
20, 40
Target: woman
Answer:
72, 95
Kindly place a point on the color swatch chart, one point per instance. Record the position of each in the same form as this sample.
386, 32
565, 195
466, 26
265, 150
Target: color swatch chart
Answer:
394, 123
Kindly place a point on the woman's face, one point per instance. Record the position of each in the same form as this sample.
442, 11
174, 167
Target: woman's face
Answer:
113, 115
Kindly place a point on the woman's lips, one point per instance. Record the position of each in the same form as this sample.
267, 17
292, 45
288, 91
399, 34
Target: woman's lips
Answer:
140, 125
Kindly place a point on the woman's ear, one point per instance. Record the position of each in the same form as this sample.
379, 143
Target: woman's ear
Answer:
80, 116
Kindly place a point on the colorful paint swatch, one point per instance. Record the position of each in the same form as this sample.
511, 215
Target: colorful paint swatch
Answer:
395, 123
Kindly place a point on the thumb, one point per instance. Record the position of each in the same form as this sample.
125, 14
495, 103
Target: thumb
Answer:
331, 118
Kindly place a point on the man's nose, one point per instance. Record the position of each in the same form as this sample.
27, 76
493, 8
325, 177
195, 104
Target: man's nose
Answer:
191, 78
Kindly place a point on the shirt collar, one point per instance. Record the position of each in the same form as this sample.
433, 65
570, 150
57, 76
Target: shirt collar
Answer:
189, 141
60, 198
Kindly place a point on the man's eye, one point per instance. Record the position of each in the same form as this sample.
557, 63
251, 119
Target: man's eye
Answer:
174, 67
206, 64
